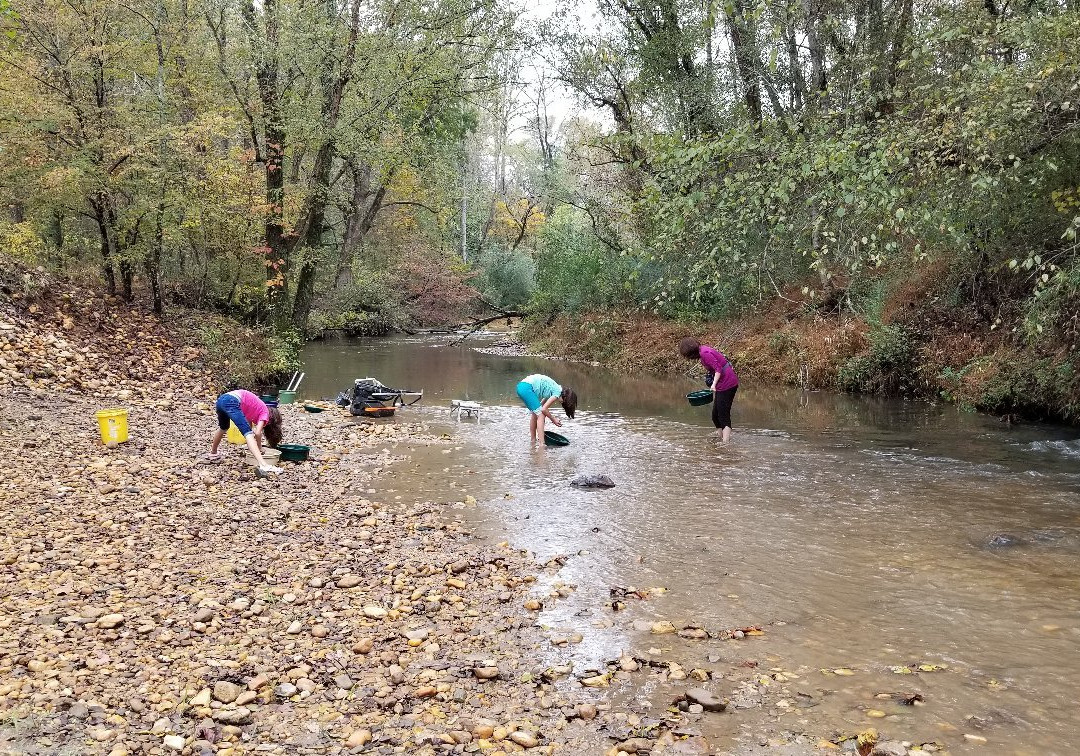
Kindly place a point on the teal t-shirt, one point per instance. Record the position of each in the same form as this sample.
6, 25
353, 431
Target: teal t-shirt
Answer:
544, 387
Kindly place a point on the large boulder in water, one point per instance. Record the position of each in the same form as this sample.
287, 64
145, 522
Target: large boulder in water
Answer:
592, 481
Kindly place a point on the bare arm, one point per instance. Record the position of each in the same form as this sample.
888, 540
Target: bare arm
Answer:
545, 409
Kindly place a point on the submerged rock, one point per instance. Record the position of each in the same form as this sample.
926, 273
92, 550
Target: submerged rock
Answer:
1003, 541
592, 481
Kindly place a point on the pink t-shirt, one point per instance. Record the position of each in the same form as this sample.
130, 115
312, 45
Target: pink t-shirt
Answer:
713, 360
252, 406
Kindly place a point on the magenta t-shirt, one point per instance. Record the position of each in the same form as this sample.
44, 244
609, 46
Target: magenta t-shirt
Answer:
252, 406
718, 363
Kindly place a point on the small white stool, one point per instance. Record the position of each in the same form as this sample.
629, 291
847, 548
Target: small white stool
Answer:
468, 409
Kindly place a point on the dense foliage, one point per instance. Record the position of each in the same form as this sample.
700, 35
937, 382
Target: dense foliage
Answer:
263, 158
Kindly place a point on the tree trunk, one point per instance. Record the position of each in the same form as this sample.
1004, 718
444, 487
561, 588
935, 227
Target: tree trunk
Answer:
273, 154
744, 49
314, 225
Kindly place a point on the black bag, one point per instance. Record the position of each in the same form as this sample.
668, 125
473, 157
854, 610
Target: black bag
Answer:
710, 376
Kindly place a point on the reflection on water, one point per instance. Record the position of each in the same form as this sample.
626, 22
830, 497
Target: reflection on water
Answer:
859, 524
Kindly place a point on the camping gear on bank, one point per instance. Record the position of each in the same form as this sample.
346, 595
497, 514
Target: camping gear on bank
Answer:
370, 397
551, 438
112, 424
699, 398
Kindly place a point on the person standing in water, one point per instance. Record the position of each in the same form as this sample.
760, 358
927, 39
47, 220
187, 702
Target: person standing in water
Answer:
539, 392
719, 376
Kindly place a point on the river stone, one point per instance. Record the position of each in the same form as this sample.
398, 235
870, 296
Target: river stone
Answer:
705, 699
524, 739
235, 717
173, 742
1003, 541
226, 692
358, 738
202, 698
110, 621
348, 581
586, 711
889, 748
635, 745
592, 481
285, 690
374, 612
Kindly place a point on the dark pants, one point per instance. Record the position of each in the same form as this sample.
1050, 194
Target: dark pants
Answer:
721, 407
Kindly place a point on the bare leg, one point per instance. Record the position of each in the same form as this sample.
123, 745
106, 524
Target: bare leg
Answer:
532, 426
215, 440
725, 434
540, 420
253, 447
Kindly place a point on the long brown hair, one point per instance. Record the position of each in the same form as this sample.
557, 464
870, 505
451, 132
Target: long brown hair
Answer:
569, 402
272, 429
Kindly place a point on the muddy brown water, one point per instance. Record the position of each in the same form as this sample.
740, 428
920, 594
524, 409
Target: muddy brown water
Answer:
856, 531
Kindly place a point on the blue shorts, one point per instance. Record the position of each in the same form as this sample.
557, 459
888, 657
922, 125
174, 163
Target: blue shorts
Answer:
528, 395
228, 408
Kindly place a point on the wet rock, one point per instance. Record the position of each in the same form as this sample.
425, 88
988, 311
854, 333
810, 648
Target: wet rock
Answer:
889, 748
586, 711
708, 701
1003, 541
486, 673
592, 481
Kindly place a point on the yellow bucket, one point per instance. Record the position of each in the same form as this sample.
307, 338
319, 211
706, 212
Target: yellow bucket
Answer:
113, 425
234, 435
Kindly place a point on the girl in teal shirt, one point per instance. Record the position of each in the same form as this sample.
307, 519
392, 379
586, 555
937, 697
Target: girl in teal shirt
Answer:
539, 392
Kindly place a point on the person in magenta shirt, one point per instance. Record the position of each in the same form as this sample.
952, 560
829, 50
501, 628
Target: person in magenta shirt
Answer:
253, 419
719, 376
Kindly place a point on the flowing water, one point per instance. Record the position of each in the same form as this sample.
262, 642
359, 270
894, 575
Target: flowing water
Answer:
856, 531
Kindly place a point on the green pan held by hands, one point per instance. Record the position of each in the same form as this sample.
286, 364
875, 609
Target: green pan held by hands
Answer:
551, 438
699, 398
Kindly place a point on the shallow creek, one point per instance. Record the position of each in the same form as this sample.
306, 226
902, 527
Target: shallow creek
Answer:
858, 533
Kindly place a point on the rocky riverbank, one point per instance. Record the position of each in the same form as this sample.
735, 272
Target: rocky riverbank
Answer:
156, 605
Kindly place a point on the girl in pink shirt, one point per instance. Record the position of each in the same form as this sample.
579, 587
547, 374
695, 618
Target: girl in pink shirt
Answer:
720, 377
253, 419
